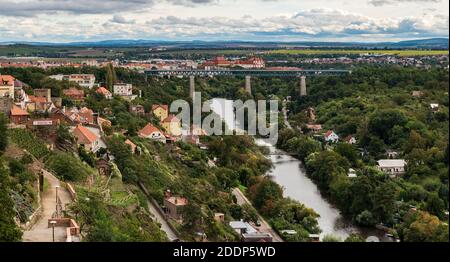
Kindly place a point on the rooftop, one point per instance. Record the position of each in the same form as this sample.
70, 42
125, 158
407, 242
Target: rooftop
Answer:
17, 111
391, 163
178, 201
84, 135
149, 129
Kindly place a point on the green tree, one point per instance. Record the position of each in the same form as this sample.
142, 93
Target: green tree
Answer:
111, 77
355, 238
9, 232
384, 201
422, 227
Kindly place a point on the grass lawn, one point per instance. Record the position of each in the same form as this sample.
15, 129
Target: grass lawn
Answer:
357, 52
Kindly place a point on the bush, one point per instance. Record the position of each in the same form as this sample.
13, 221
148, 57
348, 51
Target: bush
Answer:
68, 167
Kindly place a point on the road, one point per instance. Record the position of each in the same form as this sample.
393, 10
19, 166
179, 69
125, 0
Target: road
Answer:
160, 218
40, 232
285, 116
265, 227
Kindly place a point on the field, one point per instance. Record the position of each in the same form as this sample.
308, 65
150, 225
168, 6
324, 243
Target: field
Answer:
358, 52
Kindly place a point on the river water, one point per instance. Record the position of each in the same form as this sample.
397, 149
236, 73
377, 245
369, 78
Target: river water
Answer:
289, 173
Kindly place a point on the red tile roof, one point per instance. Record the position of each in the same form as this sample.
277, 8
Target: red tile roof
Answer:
132, 145
178, 201
327, 134
165, 107
170, 119
102, 90
84, 135
148, 130
37, 99
17, 111
6, 80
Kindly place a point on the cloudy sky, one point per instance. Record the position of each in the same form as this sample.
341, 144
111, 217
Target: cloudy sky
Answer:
257, 20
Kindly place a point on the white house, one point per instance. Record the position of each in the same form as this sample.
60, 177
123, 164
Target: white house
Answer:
151, 132
393, 167
352, 173
122, 89
331, 136
88, 138
84, 80
350, 140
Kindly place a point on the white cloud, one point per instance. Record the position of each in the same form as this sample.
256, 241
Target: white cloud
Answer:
64, 20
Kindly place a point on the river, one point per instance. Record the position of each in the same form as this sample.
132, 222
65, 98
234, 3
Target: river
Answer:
289, 173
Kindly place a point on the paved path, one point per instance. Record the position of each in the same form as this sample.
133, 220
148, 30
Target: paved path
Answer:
285, 116
265, 227
40, 231
160, 218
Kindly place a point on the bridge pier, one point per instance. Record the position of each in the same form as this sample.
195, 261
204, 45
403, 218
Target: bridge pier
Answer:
303, 91
191, 86
248, 84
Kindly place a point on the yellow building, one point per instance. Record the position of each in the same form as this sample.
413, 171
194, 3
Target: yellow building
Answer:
6, 86
172, 125
161, 111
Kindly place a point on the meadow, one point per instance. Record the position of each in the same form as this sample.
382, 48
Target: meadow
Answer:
358, 52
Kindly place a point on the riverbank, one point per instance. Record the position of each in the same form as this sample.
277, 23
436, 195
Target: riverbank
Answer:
291, 175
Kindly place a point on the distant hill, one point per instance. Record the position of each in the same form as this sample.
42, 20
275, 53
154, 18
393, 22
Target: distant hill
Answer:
433, 43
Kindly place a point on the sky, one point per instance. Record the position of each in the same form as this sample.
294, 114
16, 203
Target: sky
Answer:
254, 20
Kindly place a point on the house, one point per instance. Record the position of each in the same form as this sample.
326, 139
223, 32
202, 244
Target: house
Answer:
219, 217
151, 132
86, 138
251, 63
350, 140
7, 86
83, 80
242, 227
173, 206
123, 90
46, 126
172, 125
314, 128
257, 237
74, 94
393, 167
86, 116
352, 173
248, 233
132, 145
434, 106
137, 110
39, 104
331, 137
104, 92
18, 115
161, 111
43, 93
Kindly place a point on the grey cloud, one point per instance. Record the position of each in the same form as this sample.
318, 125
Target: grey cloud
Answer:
35, 7
121, 20
391, 2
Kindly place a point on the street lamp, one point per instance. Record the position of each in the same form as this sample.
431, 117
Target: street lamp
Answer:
56, 191
53, 223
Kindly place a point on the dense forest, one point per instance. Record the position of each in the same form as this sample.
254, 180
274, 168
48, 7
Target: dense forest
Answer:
377, 106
